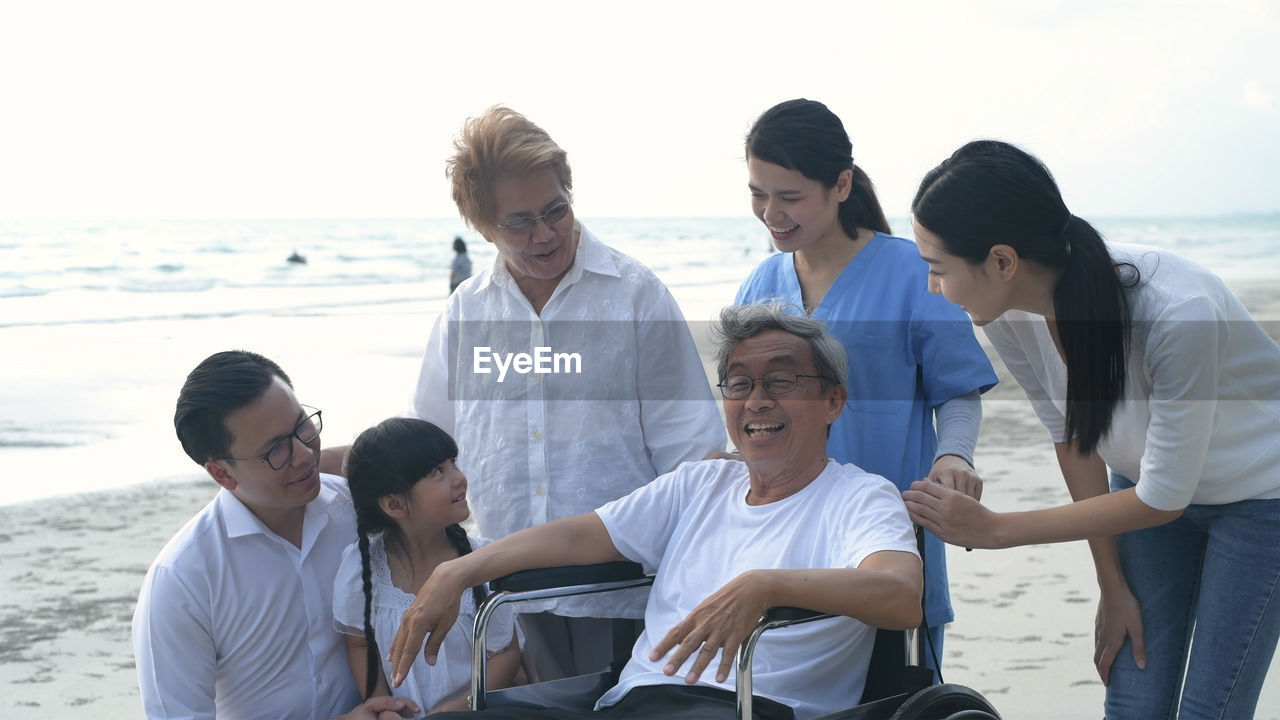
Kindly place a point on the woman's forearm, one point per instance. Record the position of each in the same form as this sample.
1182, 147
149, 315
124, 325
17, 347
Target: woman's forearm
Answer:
1101, 516
1086, 477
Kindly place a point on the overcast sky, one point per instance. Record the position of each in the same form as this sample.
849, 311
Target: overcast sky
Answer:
311, 109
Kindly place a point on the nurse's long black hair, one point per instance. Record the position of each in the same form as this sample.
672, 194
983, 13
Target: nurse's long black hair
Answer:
804, 136
387, 459
991, 193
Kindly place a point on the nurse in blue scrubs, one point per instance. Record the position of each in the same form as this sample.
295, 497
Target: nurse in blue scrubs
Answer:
915, 369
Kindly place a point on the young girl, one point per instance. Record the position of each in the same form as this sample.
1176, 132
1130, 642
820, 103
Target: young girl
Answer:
1136, 359
409, 497
911, 355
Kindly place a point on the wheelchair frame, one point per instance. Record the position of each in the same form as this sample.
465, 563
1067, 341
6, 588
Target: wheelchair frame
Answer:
909, 695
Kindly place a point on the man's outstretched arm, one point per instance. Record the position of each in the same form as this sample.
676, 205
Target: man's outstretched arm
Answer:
578, 540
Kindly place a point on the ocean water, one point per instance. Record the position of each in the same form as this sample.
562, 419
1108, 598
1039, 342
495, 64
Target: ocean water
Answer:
54, 273
83, 379
116, 271
119, 271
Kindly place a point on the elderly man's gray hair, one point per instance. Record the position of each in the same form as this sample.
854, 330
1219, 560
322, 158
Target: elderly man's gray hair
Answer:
741, 322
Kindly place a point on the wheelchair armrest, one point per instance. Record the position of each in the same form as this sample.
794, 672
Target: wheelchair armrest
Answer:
774, 617
791, 615
543, 578
542, 584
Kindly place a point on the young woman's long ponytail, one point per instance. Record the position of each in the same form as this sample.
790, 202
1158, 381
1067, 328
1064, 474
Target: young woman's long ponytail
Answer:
1092, 314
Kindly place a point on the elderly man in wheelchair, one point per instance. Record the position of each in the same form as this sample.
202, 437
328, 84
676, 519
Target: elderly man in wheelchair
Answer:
729, 539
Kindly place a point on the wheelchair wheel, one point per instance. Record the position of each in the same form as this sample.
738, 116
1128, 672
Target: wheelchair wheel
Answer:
946, 702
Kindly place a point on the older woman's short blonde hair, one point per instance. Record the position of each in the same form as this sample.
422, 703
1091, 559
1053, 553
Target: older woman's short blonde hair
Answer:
499, 142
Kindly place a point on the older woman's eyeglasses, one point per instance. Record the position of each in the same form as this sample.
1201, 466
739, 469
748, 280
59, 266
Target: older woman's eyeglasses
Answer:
282, 451
525, 223
778, 382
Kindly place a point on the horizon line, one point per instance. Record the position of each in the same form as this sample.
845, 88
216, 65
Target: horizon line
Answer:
1236, 214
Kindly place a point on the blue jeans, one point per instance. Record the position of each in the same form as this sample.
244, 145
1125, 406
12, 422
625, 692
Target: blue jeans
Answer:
1208, 586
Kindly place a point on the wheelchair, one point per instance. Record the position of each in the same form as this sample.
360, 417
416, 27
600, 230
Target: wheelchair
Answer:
895, 688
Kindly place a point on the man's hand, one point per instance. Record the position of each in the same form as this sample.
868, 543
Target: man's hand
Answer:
430, 616
954, 472
951, 515
1119, 616
720, 623
384, 707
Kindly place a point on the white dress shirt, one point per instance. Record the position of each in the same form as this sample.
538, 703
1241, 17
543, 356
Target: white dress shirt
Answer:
235, 622
539, 446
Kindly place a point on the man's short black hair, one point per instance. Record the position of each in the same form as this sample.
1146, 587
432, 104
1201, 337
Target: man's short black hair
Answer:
222, 383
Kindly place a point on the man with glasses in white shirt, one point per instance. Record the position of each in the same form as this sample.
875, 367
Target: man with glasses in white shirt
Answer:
235, 616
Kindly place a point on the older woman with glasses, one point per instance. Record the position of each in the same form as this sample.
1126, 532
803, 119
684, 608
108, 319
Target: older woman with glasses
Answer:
565, 370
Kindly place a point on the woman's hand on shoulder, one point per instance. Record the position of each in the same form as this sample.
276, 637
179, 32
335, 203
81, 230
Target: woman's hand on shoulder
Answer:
951, 515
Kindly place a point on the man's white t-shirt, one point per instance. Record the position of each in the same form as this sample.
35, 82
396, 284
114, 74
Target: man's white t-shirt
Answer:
695, 527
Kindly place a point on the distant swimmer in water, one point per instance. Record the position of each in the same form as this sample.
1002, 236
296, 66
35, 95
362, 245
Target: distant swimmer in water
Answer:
298, 259
461, 268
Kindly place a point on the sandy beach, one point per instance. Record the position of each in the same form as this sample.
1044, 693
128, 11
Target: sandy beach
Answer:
71, 566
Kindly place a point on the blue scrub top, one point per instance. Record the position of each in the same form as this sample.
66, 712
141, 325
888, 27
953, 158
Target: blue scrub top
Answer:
909, 351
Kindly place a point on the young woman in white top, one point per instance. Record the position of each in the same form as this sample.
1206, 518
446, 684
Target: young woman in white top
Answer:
409, 498
1141, 361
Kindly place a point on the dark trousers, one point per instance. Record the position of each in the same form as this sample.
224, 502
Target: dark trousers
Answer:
648, 702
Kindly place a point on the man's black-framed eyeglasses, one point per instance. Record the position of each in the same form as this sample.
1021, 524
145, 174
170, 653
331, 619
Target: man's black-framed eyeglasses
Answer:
525, 223
778, 382
281, 452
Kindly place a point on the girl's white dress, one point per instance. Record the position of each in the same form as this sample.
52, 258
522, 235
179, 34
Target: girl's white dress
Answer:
426, 685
